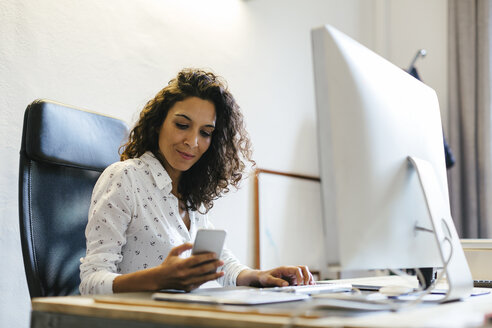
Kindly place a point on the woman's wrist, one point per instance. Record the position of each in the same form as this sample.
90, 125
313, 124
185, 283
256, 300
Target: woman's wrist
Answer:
248, 277
144, 280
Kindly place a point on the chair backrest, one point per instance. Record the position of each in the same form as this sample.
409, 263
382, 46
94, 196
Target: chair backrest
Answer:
63, 152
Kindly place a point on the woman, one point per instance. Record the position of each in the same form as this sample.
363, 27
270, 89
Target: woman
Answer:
184, 152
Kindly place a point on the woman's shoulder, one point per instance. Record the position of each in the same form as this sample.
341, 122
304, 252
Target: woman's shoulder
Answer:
125, 167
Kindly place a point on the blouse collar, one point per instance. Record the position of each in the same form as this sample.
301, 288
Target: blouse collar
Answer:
161, 177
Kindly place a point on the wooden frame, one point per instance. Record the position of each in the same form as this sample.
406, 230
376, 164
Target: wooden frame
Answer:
259, 171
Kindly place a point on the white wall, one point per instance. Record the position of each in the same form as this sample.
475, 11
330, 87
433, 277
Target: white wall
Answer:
112, 56
413, 25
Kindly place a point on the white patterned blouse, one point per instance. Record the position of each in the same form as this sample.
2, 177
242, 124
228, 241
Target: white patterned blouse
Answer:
133, 224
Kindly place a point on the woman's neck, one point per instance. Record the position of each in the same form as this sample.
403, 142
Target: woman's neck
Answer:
173, 174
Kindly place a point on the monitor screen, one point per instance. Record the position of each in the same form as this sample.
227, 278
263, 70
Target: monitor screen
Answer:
372, 116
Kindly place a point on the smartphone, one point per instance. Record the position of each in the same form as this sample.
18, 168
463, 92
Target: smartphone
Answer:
209, 240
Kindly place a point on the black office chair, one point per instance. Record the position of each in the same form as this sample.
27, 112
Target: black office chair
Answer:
63, 152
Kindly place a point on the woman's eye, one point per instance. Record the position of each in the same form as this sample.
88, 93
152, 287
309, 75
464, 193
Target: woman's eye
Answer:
205, 134
181, 126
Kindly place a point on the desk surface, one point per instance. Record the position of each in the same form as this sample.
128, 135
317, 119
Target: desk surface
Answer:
138, 310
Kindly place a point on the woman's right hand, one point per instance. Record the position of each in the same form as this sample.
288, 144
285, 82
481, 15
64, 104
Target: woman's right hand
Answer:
174, 273
189, 273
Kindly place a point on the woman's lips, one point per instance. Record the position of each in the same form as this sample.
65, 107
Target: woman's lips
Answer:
185, 155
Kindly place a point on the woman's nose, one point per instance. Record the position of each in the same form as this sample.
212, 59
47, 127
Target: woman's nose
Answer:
192, 139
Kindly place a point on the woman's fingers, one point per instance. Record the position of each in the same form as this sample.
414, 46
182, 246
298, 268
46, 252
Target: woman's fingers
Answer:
274, 281
207, 267
308, 277
292, 274
299, 276
201, 268
198, 259
176, 251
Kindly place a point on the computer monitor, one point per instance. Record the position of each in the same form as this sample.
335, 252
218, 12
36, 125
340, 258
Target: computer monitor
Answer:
383, 177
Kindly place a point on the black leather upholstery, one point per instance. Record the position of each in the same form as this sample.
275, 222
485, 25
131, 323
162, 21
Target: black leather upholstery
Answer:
63, 152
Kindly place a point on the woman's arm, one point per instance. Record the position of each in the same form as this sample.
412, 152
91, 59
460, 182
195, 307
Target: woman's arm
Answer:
109, 217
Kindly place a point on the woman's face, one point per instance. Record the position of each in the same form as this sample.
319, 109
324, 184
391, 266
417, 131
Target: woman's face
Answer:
186, 134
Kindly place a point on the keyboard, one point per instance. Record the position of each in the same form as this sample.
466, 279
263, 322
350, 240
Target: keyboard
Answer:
482, 283
313, 289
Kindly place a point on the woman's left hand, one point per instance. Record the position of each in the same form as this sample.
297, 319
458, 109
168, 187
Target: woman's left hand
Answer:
281, 276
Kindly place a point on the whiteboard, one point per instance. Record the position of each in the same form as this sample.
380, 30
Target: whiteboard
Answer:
290, 222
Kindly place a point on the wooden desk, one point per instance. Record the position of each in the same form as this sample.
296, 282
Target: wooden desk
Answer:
138, 310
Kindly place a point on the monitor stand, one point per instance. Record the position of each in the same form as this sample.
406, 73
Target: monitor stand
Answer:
458, 273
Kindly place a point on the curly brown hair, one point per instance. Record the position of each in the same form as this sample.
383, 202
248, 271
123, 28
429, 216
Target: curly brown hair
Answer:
222, 164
